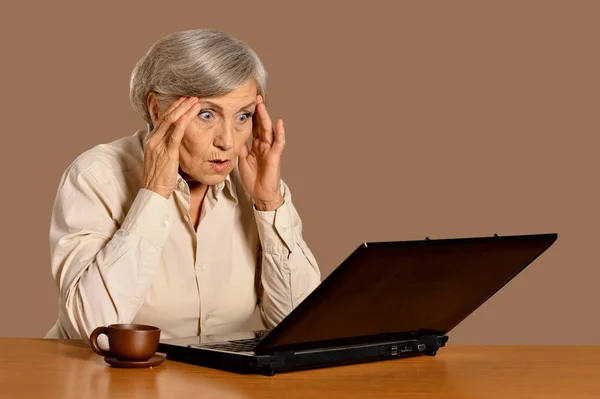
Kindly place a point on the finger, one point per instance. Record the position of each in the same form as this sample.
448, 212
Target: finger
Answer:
176, 104
279, 142
155, 128
169, 119
174, 140
265, 127
243, 152
255, 123
171, 107
176, 110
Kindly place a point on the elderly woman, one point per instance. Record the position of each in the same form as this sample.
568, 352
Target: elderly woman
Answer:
182, 225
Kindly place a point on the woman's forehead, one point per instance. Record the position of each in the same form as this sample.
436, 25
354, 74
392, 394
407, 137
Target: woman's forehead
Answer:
241, 97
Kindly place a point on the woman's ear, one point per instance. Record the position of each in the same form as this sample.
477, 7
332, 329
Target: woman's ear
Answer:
154, 108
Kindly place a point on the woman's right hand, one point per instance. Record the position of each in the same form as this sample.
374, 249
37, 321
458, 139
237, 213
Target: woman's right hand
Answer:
161, 153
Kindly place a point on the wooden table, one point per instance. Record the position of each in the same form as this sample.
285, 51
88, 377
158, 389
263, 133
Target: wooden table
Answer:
38, 368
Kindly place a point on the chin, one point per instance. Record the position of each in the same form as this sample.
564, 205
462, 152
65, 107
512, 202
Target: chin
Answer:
210, 179
214, 179
206, 176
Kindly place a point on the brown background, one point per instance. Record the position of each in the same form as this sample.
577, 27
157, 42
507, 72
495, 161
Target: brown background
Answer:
404, 120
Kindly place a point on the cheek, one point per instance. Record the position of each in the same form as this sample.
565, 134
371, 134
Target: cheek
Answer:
194, 144
242, 138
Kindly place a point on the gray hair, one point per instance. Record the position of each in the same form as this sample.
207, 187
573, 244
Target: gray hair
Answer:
200, 63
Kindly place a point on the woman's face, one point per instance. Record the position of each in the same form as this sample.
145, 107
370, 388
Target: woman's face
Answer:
212, 141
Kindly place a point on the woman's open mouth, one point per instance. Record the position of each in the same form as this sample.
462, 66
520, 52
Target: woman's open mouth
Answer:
220, 165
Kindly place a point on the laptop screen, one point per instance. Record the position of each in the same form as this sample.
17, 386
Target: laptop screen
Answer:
403, 287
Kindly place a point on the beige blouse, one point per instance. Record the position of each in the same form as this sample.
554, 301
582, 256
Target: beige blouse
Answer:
120, 253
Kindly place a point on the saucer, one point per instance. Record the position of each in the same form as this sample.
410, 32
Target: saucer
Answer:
152, 362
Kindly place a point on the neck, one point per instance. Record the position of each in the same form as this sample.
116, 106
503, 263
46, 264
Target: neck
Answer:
196, 188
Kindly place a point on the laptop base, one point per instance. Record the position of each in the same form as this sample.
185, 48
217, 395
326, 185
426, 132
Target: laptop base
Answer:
284, 361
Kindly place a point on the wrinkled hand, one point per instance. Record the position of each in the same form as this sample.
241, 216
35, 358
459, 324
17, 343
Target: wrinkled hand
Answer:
260, 166
161, 153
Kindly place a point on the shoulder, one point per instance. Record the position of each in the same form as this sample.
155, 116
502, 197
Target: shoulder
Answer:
107, 161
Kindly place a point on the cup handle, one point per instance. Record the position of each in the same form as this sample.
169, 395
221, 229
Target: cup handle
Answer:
94, 340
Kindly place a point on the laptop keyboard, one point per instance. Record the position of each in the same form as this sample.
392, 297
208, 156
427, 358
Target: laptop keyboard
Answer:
238, 345
242, 345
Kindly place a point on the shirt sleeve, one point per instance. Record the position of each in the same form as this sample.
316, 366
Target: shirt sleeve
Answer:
102, 269
288, 270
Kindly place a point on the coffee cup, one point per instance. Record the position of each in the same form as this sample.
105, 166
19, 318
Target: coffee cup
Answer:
127, 342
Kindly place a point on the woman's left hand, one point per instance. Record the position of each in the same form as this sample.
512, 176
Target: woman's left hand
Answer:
260, 167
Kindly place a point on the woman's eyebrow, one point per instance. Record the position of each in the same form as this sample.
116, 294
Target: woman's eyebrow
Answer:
248, 105
219, 108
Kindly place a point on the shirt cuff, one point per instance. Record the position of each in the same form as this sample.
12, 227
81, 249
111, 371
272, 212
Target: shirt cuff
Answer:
150, 216
276, 229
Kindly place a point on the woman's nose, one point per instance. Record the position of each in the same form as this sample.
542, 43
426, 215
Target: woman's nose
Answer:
224, 138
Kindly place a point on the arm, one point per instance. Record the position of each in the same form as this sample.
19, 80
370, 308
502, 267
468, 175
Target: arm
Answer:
103, 271
289, 271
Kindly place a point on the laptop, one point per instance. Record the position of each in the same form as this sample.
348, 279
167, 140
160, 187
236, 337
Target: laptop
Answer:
386, 300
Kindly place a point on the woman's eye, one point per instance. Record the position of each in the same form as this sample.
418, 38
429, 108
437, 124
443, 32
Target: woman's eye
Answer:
205, 115
244, 117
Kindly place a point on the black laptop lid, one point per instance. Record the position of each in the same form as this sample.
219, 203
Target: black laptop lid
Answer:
401, 288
